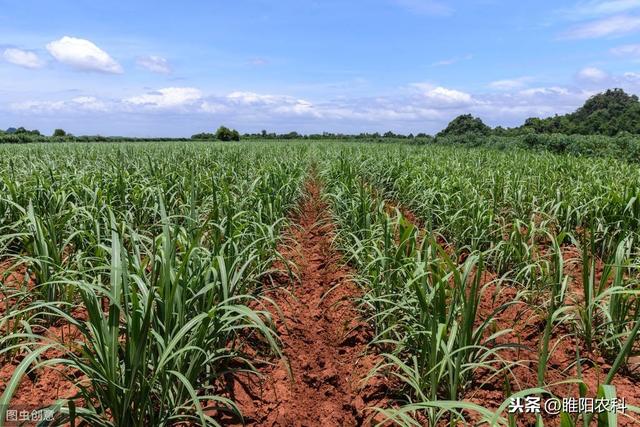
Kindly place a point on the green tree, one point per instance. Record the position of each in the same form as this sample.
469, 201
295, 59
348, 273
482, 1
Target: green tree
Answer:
466, 124
203, 136
225, 134
22, 131
59, 133
607, 113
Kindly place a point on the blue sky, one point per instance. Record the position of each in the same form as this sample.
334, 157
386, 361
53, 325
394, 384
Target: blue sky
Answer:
168, 68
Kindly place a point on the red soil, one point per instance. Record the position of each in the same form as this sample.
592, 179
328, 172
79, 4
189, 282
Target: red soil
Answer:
39, 388
42, 387
11, 278
527, 329
527, 323
320, 380
527, 326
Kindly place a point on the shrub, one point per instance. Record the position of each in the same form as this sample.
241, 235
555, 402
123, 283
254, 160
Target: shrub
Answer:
203, 136
465, 124
225, 134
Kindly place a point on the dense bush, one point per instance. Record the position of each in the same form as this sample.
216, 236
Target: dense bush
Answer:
624, 146
204, 136
466, 124
23, 131
608, 113
225, 134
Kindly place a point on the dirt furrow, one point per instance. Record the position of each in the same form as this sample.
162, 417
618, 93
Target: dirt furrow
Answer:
319, 382
525, 324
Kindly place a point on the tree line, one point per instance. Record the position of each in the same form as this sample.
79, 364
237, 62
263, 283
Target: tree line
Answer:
609, 113
613, 113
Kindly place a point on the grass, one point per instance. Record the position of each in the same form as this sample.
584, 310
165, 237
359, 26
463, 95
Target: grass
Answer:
513, 215
156, 254
166, 267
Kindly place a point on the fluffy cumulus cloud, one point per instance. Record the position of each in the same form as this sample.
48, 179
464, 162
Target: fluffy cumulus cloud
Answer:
592, 75
424, 106
170, 97
266, 104
39, 106
89, 104
511, 108
445, 97
214, 107
419, 107
23, 58
83, 55
249, 98
154, 63
544, 91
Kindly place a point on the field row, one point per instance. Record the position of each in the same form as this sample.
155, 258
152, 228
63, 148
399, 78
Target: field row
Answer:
139, 269
147, 256
470, 307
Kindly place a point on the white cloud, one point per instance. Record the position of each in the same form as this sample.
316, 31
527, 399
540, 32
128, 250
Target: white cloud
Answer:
627, 50
555, 90
23, 58
594, 8
451, 61
241, 97
510, 84
422, 107
607, 27
513, 107
592, 74
426, 7
274, 104
90, 103
83, 55
442, 95
213, 107
299, 107
155, 64
169, 97
80, 103
39, 106
632, 77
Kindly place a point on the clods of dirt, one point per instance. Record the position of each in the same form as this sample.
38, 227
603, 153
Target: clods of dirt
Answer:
319, 382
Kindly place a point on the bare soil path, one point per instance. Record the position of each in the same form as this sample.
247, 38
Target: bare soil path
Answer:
322, 337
